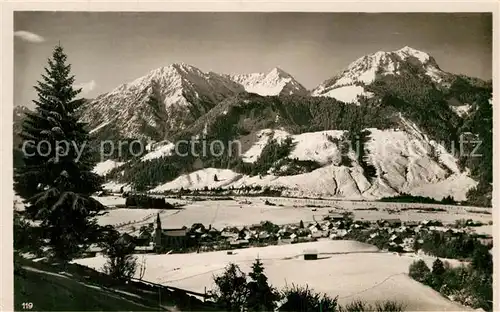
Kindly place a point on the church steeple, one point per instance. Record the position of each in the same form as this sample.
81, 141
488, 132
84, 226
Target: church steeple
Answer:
158, 222
158, 234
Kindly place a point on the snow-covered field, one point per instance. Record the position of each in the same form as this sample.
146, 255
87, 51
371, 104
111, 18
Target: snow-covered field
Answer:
111, 200
126, 218
347, 269
235, 212
121, 216
314, 146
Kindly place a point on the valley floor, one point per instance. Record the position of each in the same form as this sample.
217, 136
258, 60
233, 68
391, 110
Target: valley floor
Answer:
244, 211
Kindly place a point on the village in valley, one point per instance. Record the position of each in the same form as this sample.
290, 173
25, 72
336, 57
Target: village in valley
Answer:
389, 233
184, 243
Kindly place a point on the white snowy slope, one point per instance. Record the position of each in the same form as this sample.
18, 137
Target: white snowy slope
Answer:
316, 146
105, 167
252, 154
406, 161
348, 84
276, 82
348, 94
115, 187
159, 151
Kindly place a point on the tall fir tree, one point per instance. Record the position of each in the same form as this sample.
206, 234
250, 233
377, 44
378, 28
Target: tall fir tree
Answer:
56, 178
230, 293
261, 295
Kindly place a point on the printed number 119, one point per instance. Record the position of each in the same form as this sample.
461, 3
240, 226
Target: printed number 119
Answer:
27, 305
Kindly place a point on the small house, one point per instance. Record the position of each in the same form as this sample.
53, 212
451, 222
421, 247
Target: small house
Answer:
411, 224
327, 225
486, 241
341, 233
313, 228
213, 231
393, 223
396, 239
431, 223
227, 234
285, 241
143, 240
319, 234
92, 251
302, 232
198, 227
144, 249
336, 217
240, 243
395, 247
310, 254
263, 235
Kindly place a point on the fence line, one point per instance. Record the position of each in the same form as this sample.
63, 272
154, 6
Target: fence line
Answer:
171, 288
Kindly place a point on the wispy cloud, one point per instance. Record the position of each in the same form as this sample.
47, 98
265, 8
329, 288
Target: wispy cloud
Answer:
29, 36
86, 86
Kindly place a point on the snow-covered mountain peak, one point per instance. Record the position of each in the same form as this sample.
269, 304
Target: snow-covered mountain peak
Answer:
183, 68
184, 91
173, 72
407, 51
179, 79
279, 73
275, 82
365, 69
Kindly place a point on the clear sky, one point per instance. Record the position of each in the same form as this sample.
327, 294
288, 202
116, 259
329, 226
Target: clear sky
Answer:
107, 49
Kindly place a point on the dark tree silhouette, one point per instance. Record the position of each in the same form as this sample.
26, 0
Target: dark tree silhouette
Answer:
56, 178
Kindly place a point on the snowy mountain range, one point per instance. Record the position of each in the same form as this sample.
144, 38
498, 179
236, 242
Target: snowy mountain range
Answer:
399, 98
185, 93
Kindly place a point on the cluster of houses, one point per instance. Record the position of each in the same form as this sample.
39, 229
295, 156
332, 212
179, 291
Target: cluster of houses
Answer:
398, 236
392, 234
